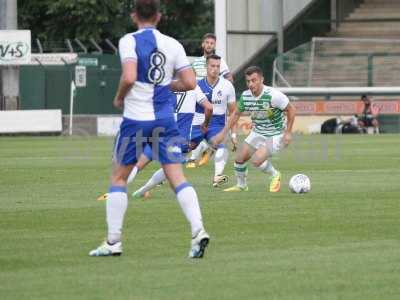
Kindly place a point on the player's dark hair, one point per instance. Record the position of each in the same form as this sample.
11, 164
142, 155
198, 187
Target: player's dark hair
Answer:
146, 9
253, 69
213, 56
209, 36
364, 97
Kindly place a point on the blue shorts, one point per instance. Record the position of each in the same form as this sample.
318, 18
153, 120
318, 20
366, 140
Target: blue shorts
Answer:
148, 152
161, 136
197, 135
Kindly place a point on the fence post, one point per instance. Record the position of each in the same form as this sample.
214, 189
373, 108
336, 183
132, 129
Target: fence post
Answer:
370, 70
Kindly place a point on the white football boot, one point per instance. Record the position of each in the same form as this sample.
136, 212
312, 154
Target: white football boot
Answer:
199, 244
220, 180
106, 249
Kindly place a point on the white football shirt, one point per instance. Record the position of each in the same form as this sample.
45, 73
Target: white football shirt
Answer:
158, 57
219, 95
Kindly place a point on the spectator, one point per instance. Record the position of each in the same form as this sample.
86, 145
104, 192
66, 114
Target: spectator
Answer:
368, 117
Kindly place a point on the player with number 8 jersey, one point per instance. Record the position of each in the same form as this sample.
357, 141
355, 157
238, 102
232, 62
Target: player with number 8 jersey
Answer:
158, 56
149, 61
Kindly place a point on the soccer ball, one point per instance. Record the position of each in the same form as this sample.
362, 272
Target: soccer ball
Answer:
299, 184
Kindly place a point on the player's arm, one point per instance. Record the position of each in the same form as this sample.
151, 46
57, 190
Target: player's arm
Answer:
225, 72
290, 116
202, 100
235, 112
127, 80
281, 101
229, 76
185, 80
233, 119
232, 108
129, 69
208, 111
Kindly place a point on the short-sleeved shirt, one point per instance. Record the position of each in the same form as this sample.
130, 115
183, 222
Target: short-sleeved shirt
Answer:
199, 65
219, 95
158, 57
185, 108
266, 110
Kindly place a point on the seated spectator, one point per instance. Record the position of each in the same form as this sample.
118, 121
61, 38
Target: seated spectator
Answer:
368, 117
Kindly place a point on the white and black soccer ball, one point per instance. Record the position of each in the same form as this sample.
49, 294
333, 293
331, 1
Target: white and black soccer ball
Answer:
300, 184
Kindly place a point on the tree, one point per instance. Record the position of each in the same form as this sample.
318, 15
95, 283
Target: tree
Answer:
61, 19
57, 20
188, 21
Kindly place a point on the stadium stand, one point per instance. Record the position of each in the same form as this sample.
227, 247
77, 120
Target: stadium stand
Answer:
364, 50
361, 50
334, 62
372, 19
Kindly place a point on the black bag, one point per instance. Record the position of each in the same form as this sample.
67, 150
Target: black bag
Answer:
348, 128
329, 126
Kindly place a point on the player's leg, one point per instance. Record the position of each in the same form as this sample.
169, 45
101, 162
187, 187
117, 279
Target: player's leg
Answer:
143, 161
375, 123
200, 151
124, 158
206, 155
157, 178
186, 195
117, 204
189, 203
220, 158
243, 154
361, 124
262, 160
197, 137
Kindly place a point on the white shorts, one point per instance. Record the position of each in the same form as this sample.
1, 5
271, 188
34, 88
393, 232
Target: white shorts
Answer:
273, 144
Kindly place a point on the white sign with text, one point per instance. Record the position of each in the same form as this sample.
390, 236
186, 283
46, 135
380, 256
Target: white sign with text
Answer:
15, 47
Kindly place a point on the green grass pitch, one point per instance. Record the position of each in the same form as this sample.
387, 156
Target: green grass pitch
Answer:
340, 241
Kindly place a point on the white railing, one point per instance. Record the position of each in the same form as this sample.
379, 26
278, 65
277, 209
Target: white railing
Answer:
340, 91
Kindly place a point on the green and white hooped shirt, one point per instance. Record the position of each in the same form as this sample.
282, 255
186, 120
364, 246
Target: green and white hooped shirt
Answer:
266, 110
199, 65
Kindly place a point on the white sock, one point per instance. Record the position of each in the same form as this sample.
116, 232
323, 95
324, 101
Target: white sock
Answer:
157, 178
132, 175
220, 159
117, 203
196, 153
241, 174
267, 167
189, 203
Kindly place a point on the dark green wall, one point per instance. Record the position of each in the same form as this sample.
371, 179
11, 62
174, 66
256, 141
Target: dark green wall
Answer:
32, 87
102, 83
48, 87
